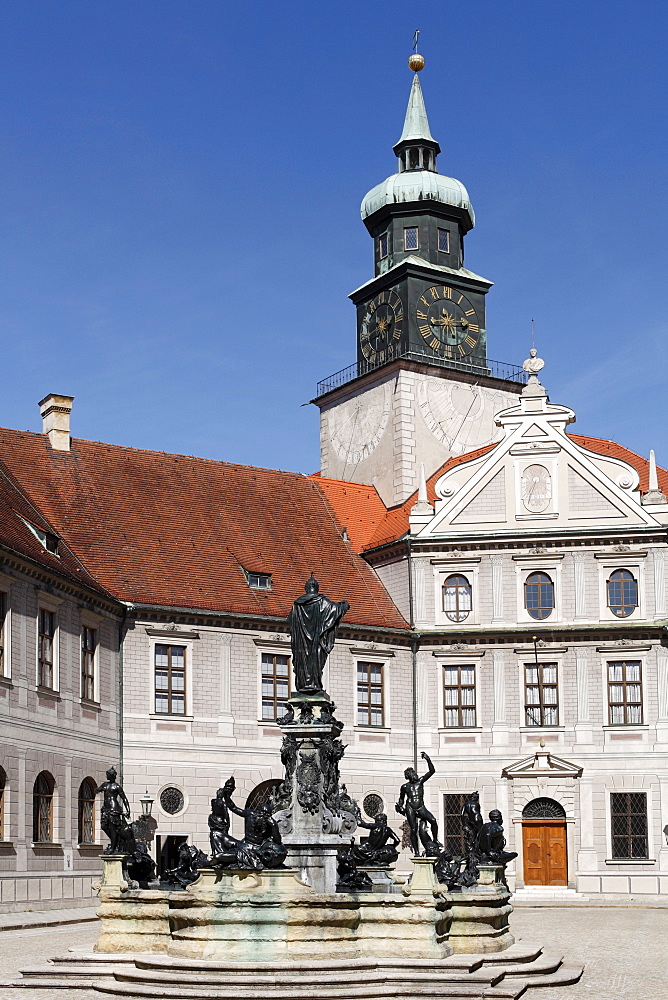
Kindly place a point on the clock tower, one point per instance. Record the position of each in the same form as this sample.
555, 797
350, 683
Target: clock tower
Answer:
423, 388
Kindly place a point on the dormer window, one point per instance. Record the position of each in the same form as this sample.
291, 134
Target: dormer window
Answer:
49, 541
444, 240
258, 581
383, 242
411, 238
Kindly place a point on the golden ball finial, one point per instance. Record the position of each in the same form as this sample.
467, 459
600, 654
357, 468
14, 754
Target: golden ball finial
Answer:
416, 62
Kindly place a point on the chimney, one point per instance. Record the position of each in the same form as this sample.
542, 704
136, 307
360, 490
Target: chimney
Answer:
55, 412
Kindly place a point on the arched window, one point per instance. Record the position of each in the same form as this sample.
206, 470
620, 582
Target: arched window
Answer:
42, 808
543, 809
3, 786
263, 793
539, 595
87, 811
622, 593
457, 597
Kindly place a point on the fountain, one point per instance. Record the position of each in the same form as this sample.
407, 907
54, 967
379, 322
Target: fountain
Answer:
297, 906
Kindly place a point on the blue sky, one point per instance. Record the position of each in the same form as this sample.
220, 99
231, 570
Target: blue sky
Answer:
179, 205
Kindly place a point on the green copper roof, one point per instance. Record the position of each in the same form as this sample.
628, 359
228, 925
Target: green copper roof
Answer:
417, 185
416, 124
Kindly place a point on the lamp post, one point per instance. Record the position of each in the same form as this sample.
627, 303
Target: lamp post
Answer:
146, 805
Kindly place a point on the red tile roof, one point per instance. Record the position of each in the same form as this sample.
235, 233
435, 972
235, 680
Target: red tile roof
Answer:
358, 508
603, 447
395, 523
15, 534
171, 530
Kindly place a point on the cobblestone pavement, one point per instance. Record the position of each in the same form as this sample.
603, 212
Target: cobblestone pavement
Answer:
625, 952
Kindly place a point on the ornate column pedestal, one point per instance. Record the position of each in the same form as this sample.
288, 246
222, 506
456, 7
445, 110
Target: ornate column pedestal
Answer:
423, 881
314, 813
114, 875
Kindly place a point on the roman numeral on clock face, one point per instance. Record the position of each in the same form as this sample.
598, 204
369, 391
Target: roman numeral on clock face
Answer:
471, 341
425, 330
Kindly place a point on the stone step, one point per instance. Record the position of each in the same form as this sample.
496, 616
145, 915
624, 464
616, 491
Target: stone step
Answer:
521, 951
363, 991
380, 981
68, 971
544, 965
566, 975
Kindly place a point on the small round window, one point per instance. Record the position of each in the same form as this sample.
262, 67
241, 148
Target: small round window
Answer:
372, 804
171, 800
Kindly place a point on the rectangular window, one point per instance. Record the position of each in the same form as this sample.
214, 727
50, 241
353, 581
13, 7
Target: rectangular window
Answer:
452, 812
370, 694
625, 693
383, 242
46, 634
540, 694
88, 646
4, 666
261, 581
628, 819
411, 238
459, 695
444, 240
170, 680
275, 685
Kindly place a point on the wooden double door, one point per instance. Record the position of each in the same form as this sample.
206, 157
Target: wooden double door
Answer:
545, 856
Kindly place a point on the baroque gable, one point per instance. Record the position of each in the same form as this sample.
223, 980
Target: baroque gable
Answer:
537, 477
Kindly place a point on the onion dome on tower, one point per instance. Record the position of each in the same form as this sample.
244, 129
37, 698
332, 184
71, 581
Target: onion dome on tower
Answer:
417, 179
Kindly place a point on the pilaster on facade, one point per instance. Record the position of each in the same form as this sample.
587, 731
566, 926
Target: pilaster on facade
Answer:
659, 566
497, 588
579, 590
500, 728
403, 426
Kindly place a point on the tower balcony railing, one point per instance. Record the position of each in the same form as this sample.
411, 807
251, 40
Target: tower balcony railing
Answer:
488, 369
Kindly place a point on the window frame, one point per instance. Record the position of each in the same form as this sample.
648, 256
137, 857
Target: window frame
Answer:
37, 797
608, 563
468, 585
541, 685
540, 584
367, 705
633, 608
89, 658
444, 568
53, 637
416, 230
450, 838
460, 707
386, 237
186, 671
647, 857
447, 240
4, 810
625, 704
525, 565
5, 633
273, 653
81, 842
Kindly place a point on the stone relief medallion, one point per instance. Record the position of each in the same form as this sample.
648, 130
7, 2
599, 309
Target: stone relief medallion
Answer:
356, 426
461, 416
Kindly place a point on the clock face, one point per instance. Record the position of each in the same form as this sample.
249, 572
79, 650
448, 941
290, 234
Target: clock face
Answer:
448, 322
382, 327
536, 488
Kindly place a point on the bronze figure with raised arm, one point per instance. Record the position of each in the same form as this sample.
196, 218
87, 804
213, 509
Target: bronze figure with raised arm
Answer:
411, 805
